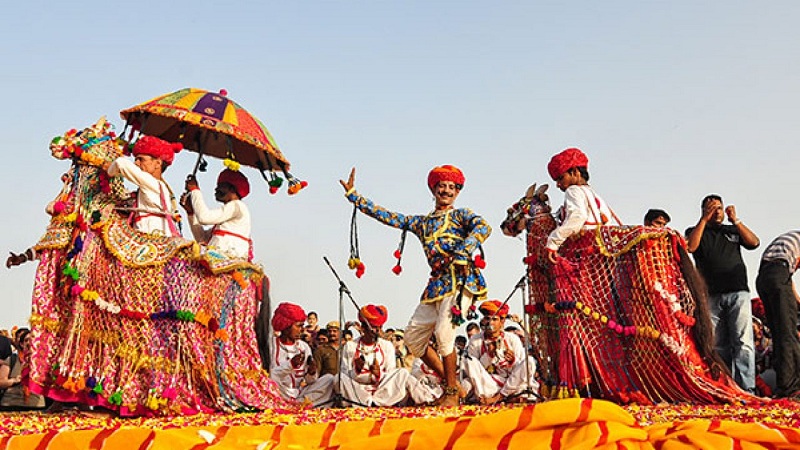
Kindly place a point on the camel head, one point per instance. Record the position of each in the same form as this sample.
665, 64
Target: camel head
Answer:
535, 203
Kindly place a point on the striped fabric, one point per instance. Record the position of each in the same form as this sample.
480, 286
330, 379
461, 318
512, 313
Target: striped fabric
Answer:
560, 424
785, 247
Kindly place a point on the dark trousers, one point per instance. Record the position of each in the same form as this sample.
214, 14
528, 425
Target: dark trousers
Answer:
774, 285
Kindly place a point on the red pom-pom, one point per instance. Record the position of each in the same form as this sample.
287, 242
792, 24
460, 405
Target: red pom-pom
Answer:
361, 266
59, 207
303, 184
397, 269
479, 262
359, 272
223, 92
273, 189
397, 254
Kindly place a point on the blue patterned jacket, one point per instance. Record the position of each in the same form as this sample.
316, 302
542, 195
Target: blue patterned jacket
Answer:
448, 239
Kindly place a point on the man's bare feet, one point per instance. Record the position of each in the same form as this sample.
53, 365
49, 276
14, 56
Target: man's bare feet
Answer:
449, 400
491, 400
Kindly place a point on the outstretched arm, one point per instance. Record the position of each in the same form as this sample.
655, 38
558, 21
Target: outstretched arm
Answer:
366, 206
17, 259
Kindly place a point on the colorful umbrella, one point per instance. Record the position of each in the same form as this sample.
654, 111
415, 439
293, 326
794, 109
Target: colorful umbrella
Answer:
212, 124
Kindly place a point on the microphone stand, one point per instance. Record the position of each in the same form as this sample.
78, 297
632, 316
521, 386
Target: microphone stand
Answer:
338, 400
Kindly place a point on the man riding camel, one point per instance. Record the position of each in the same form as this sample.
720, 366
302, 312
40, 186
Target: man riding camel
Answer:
230, 233
155, 209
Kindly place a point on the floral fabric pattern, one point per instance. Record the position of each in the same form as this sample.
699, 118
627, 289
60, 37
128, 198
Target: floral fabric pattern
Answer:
448, 239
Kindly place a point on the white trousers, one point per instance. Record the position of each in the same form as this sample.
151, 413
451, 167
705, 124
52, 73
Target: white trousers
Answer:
320, 391
393, 388
435, 319
480, 383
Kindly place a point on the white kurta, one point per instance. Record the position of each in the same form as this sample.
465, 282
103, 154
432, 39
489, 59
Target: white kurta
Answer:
487, 374
232, 220
582, 209
153, 199
429, 387
362, 388
298, 383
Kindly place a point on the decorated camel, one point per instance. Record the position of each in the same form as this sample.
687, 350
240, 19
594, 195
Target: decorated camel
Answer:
621, 316
138, 323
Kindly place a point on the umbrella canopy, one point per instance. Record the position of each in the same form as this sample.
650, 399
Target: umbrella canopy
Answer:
210, 124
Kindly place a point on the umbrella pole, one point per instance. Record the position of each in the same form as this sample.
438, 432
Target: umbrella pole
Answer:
197, 164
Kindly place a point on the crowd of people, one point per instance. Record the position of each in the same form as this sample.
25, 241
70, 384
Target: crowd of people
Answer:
427, 362
14, 351
367, 365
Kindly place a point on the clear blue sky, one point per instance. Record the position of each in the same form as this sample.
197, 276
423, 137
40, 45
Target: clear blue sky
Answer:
670, 100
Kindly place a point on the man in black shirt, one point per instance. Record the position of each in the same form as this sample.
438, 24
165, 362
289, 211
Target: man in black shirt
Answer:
717, 252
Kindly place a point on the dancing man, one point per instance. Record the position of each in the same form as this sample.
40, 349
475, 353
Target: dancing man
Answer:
495, 366
449, 236
291, 365
230, 233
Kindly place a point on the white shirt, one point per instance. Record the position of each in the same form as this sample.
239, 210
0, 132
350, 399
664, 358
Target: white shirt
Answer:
152, 213
382, 351
500, 367
582, 209
232, 217
281, 370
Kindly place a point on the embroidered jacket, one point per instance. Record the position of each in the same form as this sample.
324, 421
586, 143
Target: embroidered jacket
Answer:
448, 238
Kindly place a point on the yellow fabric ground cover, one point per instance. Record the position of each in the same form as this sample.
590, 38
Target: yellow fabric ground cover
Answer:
561, 424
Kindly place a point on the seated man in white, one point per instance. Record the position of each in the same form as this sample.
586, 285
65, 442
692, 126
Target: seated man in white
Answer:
430, 383
369, 372
494, 366
291, 365
230, 234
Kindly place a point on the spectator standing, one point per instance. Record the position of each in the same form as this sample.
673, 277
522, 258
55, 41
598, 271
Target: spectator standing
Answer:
656, 218
774, 284
717, 252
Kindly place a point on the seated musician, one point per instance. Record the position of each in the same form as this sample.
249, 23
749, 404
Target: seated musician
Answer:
369, 375
494, 366
291, 365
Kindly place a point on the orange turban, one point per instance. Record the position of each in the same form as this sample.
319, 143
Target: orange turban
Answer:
285, 315
567, 159
494, 307
235, 179
374, 315
445, 173
157, 148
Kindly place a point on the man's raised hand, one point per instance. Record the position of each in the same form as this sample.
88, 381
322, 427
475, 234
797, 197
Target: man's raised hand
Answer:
348, 185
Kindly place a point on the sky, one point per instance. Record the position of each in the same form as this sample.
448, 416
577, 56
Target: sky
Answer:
670, 100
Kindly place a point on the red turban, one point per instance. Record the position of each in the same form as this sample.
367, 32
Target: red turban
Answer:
286, 315
157, 148
374, 315
445, 173
493, 307
235, 179
567, 159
